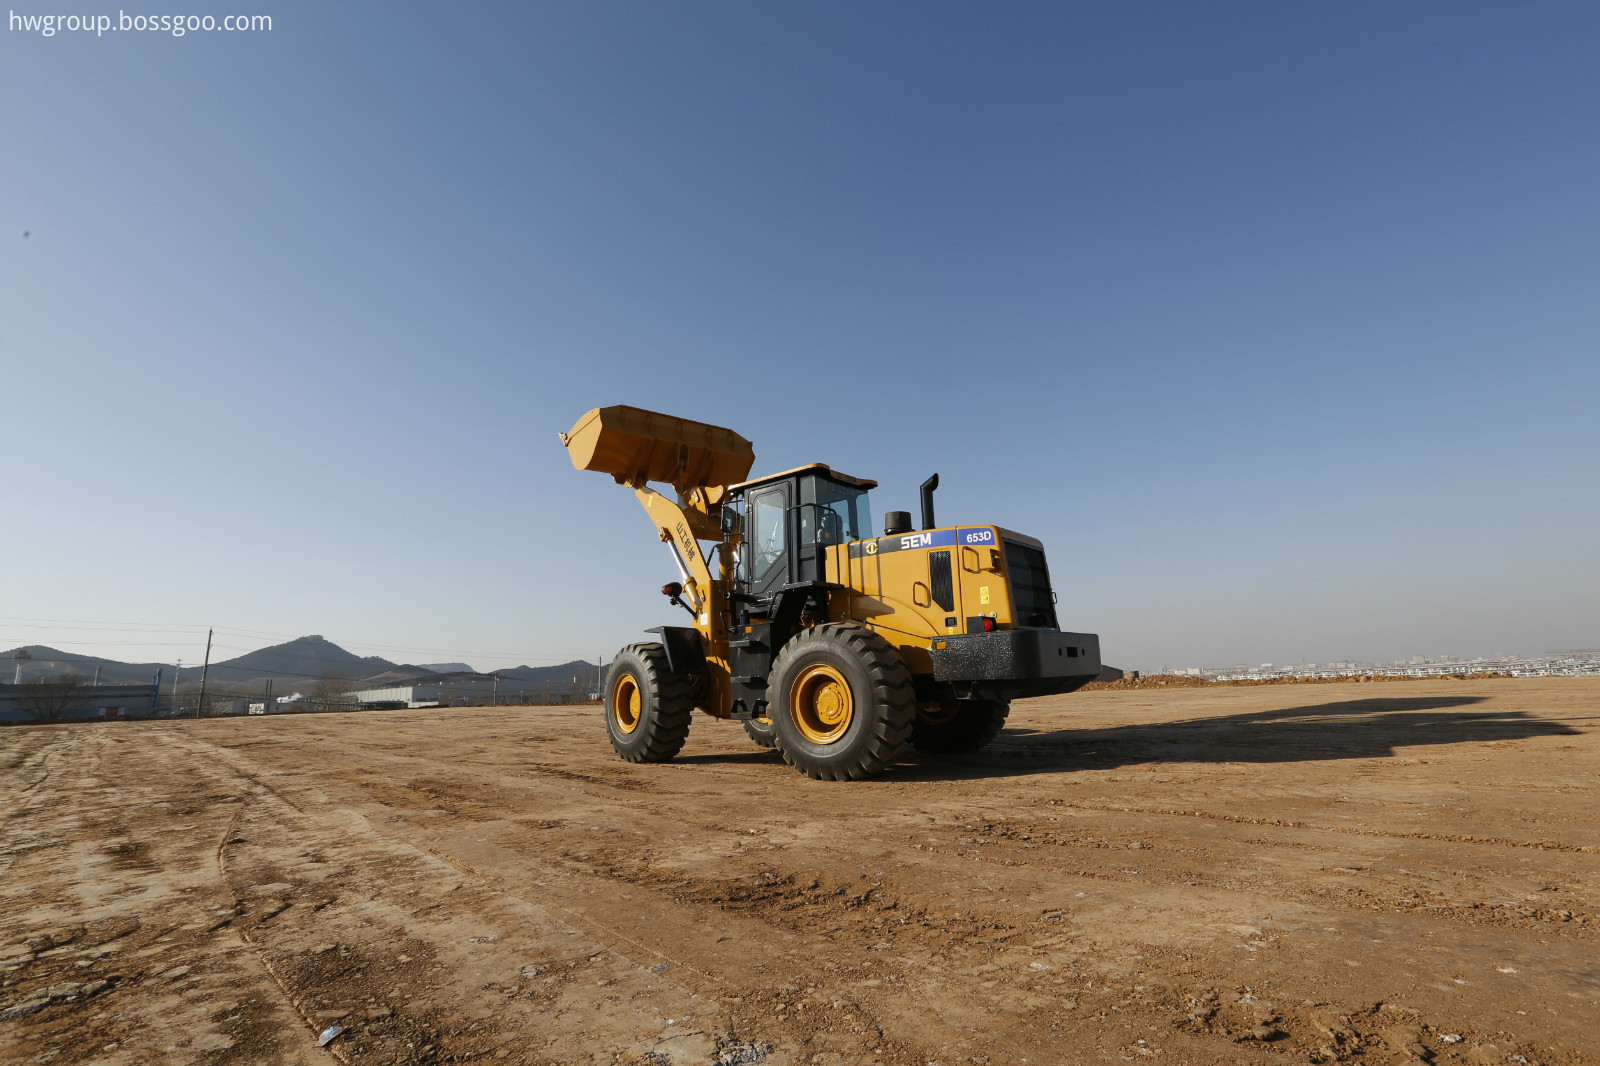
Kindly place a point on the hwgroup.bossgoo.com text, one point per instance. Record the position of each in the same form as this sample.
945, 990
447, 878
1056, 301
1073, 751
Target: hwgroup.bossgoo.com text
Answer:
177, 25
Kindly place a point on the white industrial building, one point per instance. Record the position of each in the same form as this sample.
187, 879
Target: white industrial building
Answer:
400, 696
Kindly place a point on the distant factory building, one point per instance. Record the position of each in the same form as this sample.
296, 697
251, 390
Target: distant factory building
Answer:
399, 696
48, 703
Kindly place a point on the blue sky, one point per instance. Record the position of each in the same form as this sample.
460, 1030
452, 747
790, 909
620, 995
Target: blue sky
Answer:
1278, 324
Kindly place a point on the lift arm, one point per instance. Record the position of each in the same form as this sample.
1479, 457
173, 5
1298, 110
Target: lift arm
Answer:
676, 528
698, 460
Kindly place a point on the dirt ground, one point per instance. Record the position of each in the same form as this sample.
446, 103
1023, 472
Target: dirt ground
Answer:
1331, 873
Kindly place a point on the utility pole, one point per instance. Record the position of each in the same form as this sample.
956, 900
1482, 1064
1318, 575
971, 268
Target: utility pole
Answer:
496, 700
176, 671
204, 669
97, 677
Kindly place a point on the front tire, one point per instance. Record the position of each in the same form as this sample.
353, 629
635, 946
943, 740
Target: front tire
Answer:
842, 702
972, 725
648, 707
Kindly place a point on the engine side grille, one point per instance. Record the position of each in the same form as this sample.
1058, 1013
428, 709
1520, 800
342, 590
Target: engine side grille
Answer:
939, 577
1030, 586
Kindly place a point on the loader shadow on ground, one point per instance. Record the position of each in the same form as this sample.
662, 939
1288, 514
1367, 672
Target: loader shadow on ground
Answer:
766, 756
1349, 729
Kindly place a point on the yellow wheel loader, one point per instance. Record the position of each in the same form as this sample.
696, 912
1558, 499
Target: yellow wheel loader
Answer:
833, 645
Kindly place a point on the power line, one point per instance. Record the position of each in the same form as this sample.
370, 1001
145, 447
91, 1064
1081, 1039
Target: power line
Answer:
99, 623
131, 643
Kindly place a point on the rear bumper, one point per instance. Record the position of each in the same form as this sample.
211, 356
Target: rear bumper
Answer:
1015, 663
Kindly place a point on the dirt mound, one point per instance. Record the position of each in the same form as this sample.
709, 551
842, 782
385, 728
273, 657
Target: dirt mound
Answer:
1152, 681
1181, 681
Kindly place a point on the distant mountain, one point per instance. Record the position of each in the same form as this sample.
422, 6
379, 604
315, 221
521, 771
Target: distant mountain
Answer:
304, 659
563, 674
46, 661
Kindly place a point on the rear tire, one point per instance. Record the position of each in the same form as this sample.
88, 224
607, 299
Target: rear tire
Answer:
761, 732
842, 702
648, 707
974, 724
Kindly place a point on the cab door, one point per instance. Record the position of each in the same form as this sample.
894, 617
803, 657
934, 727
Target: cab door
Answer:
767, 548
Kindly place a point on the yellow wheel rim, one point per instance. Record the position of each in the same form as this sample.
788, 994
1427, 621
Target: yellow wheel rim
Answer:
821, 704
625, 701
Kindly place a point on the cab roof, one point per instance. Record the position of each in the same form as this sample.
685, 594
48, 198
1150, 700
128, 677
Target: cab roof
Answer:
810, 468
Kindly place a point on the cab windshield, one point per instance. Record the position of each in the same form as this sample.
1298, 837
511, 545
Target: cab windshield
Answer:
832, 513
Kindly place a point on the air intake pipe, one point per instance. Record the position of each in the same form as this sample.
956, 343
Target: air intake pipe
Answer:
927, 501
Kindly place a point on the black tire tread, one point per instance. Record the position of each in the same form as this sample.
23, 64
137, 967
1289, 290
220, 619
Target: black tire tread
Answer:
669, 724
892, 688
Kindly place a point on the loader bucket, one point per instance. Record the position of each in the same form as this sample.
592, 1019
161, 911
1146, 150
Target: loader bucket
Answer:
635, 446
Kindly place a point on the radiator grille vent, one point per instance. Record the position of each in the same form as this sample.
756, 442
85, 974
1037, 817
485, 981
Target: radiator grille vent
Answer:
1030, 586
944, 590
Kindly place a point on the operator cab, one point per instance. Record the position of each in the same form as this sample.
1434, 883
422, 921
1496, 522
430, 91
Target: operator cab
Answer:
788, 521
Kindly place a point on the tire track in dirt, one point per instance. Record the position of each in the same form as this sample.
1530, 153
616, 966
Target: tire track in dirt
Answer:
292, 1001
1042, 838
744, 1023
1466, 911
108, 955
1472, 912
49, 749
287, 951
685, 889
730, 970
1283, 823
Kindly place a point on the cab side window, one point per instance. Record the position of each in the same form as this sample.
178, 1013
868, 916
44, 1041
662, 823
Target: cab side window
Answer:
766, 532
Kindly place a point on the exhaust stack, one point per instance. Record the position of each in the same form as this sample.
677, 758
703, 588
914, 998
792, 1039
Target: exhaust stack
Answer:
927, 501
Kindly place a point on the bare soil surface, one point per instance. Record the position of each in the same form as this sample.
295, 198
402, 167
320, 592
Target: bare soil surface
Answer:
1283, 874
